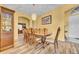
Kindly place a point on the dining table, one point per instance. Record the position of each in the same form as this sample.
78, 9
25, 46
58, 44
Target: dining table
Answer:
43, 37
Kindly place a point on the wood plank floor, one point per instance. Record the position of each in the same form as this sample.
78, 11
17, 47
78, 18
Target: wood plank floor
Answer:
63, 48
20, 47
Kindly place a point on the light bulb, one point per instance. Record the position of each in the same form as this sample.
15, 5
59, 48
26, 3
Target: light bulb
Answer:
34, 16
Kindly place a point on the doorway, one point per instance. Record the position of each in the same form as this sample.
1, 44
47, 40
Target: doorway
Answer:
20, 27
22, 23
20, 32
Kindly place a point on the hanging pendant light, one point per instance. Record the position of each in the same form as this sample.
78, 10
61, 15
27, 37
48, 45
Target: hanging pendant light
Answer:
34, 16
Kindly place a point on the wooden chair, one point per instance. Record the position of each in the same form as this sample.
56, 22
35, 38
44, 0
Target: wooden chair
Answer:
39, 30
45, 34
24, 33
45, 31
26, 38
32, 39
56, 39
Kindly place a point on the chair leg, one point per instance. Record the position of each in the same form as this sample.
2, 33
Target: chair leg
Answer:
55, 46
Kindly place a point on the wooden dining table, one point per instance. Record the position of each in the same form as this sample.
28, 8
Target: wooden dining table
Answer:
43, 37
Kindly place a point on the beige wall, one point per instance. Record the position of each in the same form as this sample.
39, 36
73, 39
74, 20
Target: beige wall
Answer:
56, 22
59, 18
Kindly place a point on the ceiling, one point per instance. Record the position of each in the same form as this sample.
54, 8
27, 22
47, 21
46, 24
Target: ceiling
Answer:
31, 8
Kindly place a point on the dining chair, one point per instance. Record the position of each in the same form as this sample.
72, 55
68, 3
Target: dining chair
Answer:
56, 39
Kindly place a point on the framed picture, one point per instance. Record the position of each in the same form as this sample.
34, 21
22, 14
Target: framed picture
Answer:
47, 20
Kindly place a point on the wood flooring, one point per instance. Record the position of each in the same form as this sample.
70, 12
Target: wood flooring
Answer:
63, 48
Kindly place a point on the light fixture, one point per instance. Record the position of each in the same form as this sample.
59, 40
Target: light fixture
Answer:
34, 16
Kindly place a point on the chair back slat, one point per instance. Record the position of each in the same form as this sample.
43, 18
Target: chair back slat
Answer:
57, 34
